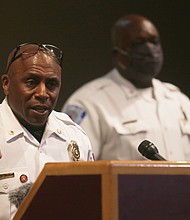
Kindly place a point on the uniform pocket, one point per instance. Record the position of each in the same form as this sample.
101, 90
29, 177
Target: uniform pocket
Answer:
10, 180
131, 126
13, 178
129, 134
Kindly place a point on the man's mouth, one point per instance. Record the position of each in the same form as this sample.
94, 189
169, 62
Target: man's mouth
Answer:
40, 109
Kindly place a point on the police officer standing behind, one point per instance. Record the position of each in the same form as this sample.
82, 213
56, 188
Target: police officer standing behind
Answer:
31, 132
128, 105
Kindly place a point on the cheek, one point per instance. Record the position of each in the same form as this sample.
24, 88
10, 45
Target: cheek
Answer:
54, 94
18, 95
54, 97
14, 92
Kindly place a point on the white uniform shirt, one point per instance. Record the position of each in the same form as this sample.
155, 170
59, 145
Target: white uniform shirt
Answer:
117, 117
22, 154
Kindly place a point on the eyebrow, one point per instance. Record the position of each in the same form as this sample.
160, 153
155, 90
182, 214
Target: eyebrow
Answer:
36, 74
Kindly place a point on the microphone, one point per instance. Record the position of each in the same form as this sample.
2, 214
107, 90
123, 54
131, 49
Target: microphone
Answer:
16, 196
149, 150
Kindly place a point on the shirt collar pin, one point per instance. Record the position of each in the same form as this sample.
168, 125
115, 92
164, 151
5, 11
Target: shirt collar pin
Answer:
58, 131
11, 132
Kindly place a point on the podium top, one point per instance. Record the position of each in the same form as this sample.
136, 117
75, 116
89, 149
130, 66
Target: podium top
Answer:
104, 166
100, 177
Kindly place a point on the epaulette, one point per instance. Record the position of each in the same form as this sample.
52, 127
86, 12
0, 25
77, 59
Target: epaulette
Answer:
172, 87
63, 117
67, 120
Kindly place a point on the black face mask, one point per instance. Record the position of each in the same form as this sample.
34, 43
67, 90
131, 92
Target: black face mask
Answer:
146, 59
144, 62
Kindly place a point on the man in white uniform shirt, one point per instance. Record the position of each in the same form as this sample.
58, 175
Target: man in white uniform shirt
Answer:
128, 105
31, 132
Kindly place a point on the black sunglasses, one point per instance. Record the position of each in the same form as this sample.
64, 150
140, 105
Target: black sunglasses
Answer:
30, 49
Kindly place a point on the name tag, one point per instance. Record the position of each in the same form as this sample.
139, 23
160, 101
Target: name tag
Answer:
6, 175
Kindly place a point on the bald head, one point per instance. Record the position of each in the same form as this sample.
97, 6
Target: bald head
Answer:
129, 29
26, 50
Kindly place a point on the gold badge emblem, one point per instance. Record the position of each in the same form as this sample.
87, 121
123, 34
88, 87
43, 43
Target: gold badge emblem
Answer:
73, 150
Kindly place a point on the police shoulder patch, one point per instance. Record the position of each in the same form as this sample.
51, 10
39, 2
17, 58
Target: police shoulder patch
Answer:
76, 113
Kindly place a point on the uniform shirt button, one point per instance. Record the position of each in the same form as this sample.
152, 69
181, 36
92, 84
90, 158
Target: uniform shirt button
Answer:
5, 186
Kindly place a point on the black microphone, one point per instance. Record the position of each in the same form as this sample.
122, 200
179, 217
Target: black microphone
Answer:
149, 150
16, 196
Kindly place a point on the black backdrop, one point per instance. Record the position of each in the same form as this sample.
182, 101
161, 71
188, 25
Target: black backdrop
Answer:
82, 30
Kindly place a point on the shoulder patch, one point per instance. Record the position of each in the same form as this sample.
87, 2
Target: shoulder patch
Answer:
76, 113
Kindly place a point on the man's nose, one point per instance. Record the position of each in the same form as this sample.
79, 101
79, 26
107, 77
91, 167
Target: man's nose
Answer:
41, 91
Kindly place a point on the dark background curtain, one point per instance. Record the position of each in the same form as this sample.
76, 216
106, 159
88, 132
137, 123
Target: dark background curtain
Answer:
82, 30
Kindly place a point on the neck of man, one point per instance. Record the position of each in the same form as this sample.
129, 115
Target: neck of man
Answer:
139, 82
37, 132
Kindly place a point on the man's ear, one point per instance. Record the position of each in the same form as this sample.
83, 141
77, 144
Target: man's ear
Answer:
5, 83
119, 59
115, 57
114, 54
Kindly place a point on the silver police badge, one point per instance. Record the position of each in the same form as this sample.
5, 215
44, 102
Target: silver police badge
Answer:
73, 150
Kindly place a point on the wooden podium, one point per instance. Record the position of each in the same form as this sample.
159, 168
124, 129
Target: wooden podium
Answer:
109, 190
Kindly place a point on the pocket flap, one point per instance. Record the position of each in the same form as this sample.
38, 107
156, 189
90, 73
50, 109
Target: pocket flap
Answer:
132, 126
13, 178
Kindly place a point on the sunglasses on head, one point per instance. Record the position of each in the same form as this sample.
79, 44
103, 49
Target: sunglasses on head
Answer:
27, 50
